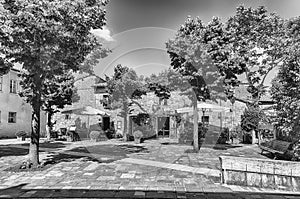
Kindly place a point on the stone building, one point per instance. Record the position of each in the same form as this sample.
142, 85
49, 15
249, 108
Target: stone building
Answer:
92, 92
15, 113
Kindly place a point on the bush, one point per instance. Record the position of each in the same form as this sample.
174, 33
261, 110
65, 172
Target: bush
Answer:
129, 137
137, 134
21, 134
95, 135
110, 133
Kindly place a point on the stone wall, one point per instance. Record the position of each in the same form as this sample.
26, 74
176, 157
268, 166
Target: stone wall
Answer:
275, 174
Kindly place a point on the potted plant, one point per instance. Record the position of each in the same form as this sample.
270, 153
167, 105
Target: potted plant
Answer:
21, 135
137, 136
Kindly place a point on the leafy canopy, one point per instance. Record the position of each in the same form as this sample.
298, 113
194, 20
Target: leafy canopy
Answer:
189, 57
247, 46
50, 37
285, 87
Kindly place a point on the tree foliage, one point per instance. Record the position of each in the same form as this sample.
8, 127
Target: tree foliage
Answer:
251, 118
247, 46
125, 89
48, 38
285, 87
188, 56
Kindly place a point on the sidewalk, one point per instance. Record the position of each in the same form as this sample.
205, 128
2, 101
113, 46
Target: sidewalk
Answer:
118, 169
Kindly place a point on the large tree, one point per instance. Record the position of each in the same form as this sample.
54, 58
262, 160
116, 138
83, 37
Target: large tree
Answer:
125, 89
189, 57
245, 49
48, 38
58, 92
285, 87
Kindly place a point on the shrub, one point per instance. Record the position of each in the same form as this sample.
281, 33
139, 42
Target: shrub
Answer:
110, 133
95, 135
21, 134
137, 134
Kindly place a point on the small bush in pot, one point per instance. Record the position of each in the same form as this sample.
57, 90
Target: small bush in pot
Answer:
95, 135
137, 136
21, 135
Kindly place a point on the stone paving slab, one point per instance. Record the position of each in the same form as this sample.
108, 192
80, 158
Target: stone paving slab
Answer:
204, 171
164, 169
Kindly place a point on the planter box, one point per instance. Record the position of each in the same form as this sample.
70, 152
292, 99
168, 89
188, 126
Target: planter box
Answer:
95, 140
137, 140
69, 139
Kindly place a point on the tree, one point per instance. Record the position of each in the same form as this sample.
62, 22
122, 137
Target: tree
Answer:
285, 87
48, 38
57, 93
246, 48
188, 57
125, 88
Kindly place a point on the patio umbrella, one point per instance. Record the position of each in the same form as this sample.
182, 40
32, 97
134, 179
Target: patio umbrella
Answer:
204, 107
86, 110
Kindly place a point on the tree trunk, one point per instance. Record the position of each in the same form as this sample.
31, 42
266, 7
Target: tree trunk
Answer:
195, 112
35, 122
49, 125
126, 120
35, 135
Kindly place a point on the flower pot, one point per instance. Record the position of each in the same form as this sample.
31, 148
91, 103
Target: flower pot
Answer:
137, 140
94, 140
69, 139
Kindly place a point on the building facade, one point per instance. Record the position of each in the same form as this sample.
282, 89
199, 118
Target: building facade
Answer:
92, 91
15, 113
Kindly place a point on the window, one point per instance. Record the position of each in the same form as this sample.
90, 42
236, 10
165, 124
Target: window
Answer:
1, 82
12, 117
13, 86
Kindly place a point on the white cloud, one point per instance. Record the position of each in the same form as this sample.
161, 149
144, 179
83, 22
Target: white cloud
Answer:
103, 33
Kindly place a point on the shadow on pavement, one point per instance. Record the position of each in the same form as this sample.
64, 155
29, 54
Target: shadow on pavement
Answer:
12, 151
97, 153
225, 146
23, 149
51, 145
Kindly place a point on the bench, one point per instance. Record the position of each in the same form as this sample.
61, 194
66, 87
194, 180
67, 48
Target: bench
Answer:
276, 147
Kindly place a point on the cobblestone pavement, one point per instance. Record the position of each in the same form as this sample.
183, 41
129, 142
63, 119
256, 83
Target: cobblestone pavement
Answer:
154, 169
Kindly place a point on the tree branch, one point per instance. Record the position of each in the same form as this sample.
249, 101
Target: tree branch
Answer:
264, 78
139, 105
242, 100
89, 75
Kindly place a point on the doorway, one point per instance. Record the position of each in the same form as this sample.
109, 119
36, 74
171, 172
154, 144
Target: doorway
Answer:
163, 125
105, 123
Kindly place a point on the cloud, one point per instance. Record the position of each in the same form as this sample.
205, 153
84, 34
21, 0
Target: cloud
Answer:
103, 33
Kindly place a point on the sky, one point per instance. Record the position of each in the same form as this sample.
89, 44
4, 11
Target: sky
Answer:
138, 29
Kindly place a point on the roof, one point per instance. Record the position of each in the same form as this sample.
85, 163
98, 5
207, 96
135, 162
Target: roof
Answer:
242, 93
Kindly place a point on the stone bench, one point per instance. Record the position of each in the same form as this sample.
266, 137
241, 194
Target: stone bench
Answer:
276, 147
261, 173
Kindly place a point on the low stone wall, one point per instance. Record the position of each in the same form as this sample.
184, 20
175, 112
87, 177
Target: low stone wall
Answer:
275, 174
